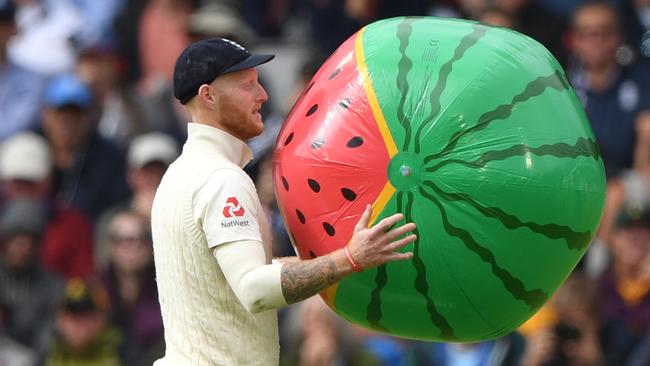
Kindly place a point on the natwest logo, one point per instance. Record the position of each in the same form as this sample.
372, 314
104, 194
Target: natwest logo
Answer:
233, 208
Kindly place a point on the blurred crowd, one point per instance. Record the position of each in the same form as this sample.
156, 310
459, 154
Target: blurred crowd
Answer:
88, 126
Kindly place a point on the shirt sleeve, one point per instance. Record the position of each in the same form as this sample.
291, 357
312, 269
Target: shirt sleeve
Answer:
256, 284
226, 207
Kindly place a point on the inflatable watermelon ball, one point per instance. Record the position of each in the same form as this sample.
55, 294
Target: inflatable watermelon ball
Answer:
473, 133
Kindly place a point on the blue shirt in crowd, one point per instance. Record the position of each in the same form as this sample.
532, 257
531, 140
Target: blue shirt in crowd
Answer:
613, 113
20, 98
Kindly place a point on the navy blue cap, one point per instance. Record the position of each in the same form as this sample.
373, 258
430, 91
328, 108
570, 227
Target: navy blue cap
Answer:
205, 60
67, 90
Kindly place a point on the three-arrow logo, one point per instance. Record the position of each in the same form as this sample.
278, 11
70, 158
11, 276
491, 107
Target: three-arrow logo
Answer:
233, 208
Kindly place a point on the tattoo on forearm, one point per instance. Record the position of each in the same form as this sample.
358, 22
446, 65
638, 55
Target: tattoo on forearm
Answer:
304, 279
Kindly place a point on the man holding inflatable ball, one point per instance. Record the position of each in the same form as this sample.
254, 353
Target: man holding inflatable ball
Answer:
218, 285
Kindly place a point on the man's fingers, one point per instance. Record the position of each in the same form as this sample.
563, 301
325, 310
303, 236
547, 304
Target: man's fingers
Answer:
401, 243
385, 224
399, 231
400, 256
364, 220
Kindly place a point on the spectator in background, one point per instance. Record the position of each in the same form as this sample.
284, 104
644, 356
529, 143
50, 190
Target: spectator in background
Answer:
538, 23
89, 171
125, 30
472, 9
20, 89
617, 104
25, 172
45, 25
84, 336
117, 110
504, 351
28, 293
267, 17
573, 337
615, 97
162, 37
97, 18
148, 158
132, 290
333, 21
13, 353
617, 101
625, 287
497, 17
445, 8
217, 19
315, 336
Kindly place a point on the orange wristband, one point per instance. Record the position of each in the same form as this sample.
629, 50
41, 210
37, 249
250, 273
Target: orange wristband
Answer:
355, 266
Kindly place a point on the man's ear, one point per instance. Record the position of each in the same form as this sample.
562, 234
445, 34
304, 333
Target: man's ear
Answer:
206, 95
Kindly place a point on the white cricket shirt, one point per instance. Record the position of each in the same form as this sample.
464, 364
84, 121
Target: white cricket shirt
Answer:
204, 200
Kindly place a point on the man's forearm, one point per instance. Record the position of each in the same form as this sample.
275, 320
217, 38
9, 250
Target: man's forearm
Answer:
303, 279
293, 259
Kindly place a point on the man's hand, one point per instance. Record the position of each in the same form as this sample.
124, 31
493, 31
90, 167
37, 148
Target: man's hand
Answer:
371, 247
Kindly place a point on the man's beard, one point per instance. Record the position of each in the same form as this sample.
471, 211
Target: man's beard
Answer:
238, 122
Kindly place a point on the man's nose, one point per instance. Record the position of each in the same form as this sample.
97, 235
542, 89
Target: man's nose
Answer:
263, 97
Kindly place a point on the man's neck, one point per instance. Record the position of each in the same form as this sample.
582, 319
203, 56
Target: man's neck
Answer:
129, 284
64, 158
601, 78
206, 120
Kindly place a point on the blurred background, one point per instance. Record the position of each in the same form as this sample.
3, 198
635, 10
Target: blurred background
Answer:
88, 126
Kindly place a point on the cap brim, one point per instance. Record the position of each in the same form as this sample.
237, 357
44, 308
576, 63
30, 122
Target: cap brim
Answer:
250, 61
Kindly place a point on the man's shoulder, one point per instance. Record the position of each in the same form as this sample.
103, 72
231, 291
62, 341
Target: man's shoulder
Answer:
228, 176
194, 174
204, 165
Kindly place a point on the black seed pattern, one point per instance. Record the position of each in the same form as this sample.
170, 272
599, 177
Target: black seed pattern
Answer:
311, 110
285, 184
313, 185
334, 73
329, 229
301, 217
312, 254
345, 102
348, 194
355, 142
288, 140
318, 143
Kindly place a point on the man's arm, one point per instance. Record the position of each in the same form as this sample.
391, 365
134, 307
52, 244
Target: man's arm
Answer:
286, 259
260, 286
303, 279
369, 247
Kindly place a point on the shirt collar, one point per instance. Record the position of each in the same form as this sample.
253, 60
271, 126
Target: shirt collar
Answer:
206, 138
